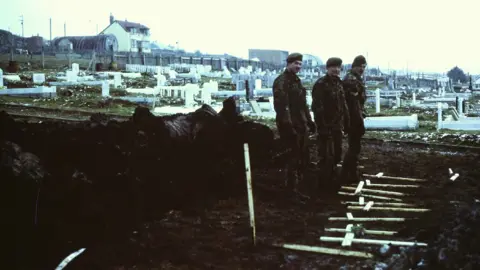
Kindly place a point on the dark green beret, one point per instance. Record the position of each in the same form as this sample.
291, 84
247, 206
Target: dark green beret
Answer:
294, 57
359, 60
334, 62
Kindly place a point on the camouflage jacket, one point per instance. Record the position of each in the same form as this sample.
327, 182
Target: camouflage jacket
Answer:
355, 94
290, 101
328, 104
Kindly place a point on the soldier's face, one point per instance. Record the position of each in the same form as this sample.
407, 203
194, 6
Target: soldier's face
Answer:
360, 69
295, 66
334, 70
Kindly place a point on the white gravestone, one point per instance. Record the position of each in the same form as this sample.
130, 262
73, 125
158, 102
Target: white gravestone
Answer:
258, 84
75, 68
117, 80
161, 79
38, 78
105, 89
1, 77
71, 76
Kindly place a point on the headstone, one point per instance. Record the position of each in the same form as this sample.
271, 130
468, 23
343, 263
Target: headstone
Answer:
161, 79
460, 106
1, 77
75, 68
440, 117
377, 100
38, 78
71, 76
172, 74
117, 80
414, 98
258, 84
189, 101
105, 89
398, 101
206, 96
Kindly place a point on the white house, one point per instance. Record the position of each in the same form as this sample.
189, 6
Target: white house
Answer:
131, 36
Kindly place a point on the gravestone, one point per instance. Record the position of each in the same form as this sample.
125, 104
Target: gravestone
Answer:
75, 68
1, 77
161, 79
38, 78
258, 84
117, 80
105, 89
206, 96
190, 91
71, 76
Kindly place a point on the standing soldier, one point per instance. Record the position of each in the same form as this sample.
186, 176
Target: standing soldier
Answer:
355, 96
292, 119
331, 115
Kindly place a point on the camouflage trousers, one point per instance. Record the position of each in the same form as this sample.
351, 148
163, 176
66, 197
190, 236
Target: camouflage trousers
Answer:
297, 156
350, 161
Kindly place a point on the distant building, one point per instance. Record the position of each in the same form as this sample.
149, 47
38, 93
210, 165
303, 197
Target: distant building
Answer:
276, 57
311, 60
131, 36
81, 44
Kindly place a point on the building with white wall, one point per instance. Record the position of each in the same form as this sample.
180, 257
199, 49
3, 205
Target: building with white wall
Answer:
131, 36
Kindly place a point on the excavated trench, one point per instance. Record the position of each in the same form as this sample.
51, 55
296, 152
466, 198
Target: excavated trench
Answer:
169, 193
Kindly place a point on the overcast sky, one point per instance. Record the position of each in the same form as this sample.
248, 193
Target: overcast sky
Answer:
424, 35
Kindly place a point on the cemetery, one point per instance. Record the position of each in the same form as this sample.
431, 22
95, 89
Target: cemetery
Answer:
155, 166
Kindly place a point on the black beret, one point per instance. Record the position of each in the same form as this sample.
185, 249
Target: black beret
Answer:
358, 61
334, 62
294, 57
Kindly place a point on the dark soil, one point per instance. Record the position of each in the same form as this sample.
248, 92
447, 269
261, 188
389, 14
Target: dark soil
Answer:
169, 193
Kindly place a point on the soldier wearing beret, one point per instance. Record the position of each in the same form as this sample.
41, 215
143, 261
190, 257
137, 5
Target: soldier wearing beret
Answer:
293, 119
355, 96
330, 114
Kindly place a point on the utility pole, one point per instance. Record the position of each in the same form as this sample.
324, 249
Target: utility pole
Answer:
50, 31
21, 21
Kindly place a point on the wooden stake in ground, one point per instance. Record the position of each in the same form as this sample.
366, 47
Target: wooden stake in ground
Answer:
324, 250
373, 232
69, 258
373, 241
248, 174
364, 219
374, 191
390, 209
371, 196
395, 178
380, 203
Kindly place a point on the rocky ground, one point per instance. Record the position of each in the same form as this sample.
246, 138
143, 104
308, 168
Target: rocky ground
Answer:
136, 199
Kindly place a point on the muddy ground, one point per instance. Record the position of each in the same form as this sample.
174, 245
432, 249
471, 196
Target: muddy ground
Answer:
126, 220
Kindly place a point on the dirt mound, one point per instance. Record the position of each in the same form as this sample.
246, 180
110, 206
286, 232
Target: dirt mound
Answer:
80, 183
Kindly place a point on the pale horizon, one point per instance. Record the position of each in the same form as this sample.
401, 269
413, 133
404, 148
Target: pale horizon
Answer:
418, 36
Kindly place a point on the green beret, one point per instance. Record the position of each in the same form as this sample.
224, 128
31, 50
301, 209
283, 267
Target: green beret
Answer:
358, 61
294, 57
334, 62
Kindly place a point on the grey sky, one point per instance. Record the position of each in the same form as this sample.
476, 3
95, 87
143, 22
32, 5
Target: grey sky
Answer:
423, 34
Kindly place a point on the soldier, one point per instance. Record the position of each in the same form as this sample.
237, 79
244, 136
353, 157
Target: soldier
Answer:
355, 95
292, 119
331, 115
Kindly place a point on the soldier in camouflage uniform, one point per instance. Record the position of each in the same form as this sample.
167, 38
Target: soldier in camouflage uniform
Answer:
355, 95
293, 119
330, 113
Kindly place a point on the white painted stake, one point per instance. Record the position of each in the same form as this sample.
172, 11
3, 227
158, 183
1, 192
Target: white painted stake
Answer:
359, 187
454, 177
250, 192
450, 171
324, 250
382, 203
380, 174
373, 241
368, 182
395, 178
393, 185
347, 240
367, 219
349, 216
69, 258
392, 209
373, 232
375, 191
371, 196
368, 206
361, 200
